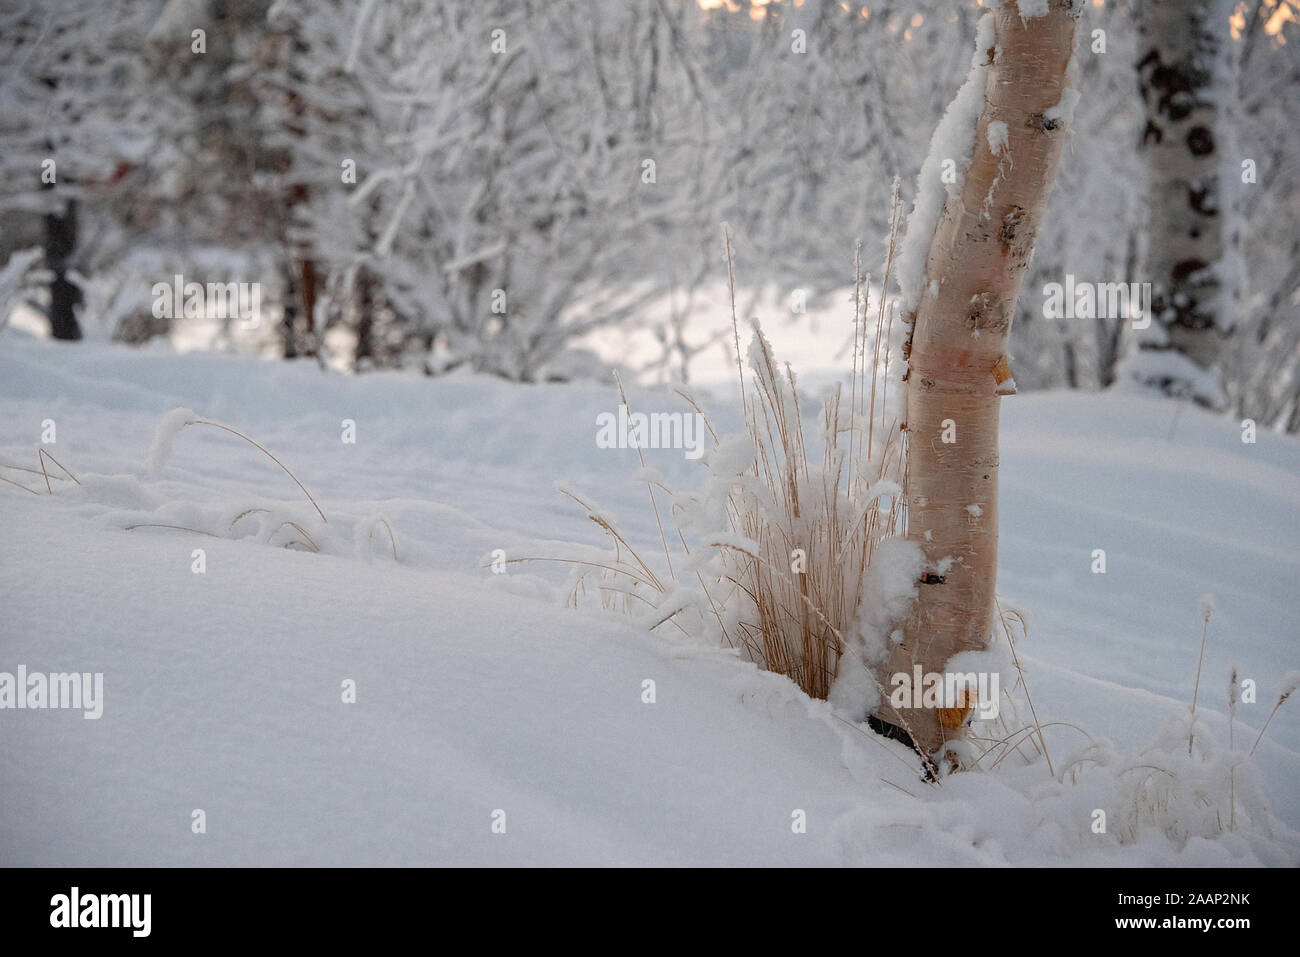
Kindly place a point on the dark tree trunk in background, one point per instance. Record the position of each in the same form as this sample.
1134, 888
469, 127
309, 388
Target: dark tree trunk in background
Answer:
1110, 329
289, 305
303, 260
309, 282
1186, 75
304, 268
365, 349
60, 243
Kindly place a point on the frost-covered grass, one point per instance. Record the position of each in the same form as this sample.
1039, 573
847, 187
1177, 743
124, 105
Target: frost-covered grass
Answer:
479, 691
776, 548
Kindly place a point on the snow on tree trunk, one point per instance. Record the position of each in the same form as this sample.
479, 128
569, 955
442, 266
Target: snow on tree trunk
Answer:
980, 197
1186, 75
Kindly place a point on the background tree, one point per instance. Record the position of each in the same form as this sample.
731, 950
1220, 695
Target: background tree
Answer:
521, 171
1262, 365
1187, 74
74, 124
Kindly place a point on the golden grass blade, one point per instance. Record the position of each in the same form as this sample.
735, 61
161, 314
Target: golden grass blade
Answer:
388, 528
267, 453
19, 484
182, 528
44, 454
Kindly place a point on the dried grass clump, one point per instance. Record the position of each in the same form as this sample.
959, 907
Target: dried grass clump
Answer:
1183, 785
813, 525
788, 533
274, 530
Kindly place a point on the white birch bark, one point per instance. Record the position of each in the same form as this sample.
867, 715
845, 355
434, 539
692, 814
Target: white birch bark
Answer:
978, 252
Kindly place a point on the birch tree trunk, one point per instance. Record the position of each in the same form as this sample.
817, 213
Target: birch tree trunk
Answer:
960, 314
1186, 76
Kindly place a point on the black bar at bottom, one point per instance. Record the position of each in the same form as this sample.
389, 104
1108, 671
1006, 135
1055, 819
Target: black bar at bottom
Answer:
333, 906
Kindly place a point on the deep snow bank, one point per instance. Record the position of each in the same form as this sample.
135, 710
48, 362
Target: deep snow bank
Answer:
475, 693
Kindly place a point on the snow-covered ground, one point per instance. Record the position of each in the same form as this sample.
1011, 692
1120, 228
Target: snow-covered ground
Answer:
477, 693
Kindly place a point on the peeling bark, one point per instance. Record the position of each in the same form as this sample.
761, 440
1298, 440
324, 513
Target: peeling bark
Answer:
978, 254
